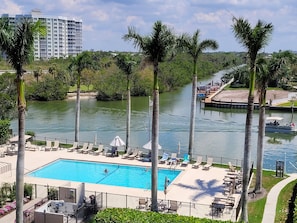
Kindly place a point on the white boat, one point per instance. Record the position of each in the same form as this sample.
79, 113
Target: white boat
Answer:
275, 124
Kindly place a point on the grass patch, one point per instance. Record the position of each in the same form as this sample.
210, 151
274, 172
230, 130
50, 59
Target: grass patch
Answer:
83, 88
288, 104
256, 208
283, 202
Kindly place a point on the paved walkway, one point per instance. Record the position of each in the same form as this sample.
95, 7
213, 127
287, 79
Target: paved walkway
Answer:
270, 206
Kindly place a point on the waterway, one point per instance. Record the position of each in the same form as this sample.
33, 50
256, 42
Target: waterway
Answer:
219, 132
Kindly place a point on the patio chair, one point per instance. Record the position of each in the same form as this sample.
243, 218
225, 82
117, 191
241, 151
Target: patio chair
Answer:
208, 163
173, 159
133, 155
99, 150
112, 152
48, 146
142, 203
56, 145
186, 160
29, 146
164, 158
128, 153
74, 146
89, 149
173, 206
85, 146
198, 162
231, 167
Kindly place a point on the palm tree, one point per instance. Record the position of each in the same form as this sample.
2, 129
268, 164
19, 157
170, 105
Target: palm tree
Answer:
125, 62
78, 63
37, 73
156, 47
192, 46
253, 39
17, 44
266, 71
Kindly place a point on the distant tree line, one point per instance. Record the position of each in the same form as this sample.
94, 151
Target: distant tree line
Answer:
52, 80
285, 79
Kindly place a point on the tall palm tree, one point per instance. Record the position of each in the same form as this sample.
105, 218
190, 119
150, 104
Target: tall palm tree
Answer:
266, 71
126, 63
192, 46
78, 63
253, 39
156, 47
17, 44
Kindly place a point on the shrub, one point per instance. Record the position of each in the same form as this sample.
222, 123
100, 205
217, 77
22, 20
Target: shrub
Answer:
4, 131
119, 215
28, 190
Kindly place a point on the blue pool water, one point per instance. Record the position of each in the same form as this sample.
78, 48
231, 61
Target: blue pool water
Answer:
93, 172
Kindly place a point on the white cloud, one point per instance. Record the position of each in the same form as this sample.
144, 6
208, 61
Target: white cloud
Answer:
105, 21
99, 15
8, 6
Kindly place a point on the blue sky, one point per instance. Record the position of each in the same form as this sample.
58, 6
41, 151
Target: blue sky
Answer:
106, 21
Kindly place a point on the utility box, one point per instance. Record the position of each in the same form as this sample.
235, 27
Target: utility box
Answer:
279, 168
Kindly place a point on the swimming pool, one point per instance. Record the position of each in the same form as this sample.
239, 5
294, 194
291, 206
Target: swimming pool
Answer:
94, 172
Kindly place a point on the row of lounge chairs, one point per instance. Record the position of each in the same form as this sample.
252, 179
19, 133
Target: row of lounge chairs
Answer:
132, 155
50, 147
173, 160
199, 163
87, 148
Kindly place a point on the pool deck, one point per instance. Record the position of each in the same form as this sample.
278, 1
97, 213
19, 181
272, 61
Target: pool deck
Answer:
192, 185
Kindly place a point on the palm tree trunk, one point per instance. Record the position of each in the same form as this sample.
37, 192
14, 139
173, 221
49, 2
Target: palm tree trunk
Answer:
21, 150
193, 116
262, 101
77, 114
247, 145
155, 141
128, 116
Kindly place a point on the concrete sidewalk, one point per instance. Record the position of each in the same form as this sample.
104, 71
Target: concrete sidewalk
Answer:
270, 206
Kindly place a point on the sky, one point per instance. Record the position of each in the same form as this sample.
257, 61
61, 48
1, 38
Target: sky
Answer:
106, 21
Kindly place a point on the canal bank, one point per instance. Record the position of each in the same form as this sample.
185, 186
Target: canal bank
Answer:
237, 99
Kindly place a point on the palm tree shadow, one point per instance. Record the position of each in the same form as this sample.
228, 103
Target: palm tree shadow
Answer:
204, 188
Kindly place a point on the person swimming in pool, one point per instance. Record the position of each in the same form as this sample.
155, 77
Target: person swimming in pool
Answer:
106, 171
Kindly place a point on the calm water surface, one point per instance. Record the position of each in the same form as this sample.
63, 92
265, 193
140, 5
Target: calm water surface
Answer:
218, 132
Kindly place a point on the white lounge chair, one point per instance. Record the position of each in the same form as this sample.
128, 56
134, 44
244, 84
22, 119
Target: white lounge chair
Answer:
56, 145
85, 146
31, 147
133, 155
128, 153
89, 149
74, 146
99, 150
48, 146
231, 167
173, 159
198, 162
208, 163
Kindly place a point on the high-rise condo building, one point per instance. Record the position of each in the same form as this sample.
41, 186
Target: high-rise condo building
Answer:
63, 37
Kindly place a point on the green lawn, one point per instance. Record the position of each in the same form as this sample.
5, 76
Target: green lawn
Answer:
256, 208
82, 88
